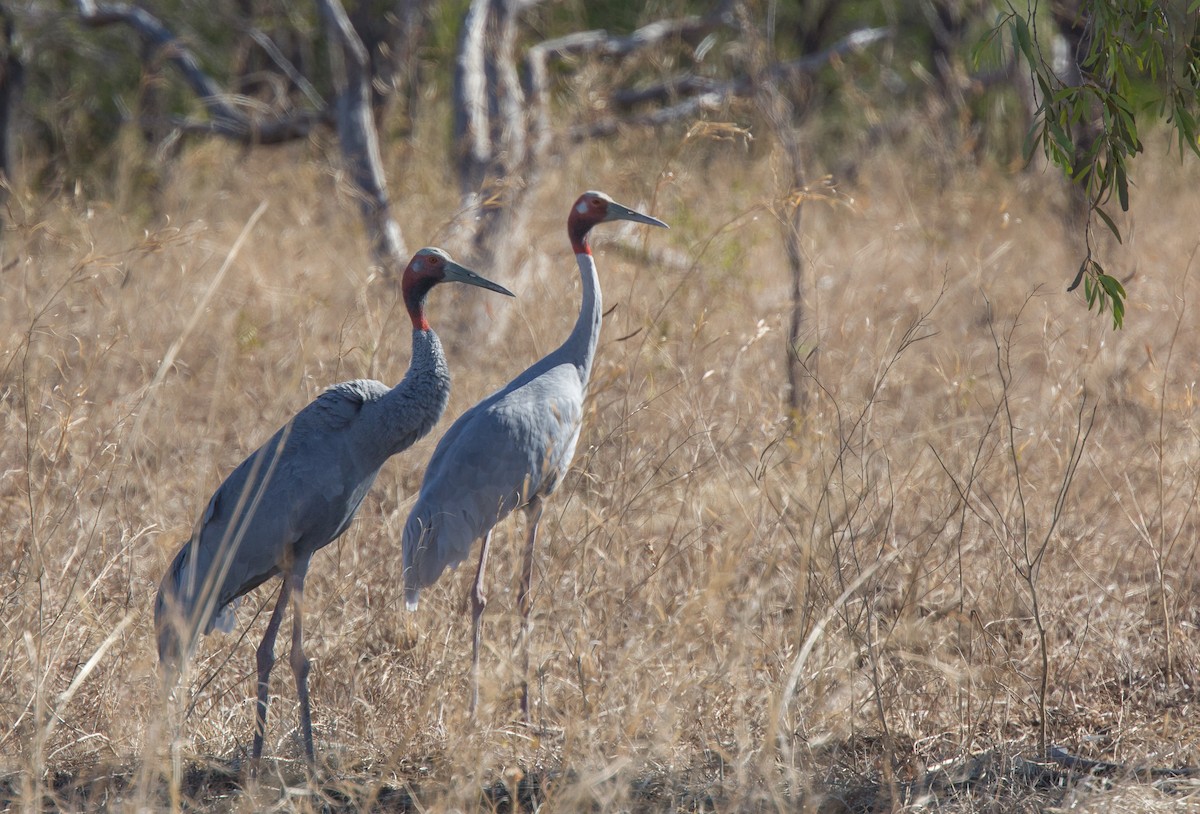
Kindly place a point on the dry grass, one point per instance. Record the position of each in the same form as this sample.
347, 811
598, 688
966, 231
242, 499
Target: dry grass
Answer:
731, 610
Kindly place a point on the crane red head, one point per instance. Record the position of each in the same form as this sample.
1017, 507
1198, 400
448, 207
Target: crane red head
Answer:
429, 267
596, 207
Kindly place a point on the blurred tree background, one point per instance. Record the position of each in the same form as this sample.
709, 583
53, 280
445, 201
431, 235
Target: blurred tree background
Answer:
89, 108
81, 90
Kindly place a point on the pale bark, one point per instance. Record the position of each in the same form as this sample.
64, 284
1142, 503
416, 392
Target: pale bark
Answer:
493, 132
359, 141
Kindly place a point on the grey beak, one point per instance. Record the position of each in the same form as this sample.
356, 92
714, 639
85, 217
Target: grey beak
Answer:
455, 273
618, 212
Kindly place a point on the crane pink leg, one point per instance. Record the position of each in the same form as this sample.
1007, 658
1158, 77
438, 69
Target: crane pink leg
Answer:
299, 661
533, 517
266, 660
478, 603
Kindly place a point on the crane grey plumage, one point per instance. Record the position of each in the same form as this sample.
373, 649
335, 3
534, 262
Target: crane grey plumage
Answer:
299, 492
510, 450
512, 446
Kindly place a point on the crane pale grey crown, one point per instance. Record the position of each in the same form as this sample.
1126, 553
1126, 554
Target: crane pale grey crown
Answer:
433, 250
581, 207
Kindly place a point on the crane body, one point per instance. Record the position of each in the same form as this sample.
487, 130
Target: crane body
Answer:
299, 492
302, 488
510, 450
493, 460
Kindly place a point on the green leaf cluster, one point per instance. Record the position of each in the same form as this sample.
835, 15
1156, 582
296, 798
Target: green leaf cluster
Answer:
1102, 291
1139, 59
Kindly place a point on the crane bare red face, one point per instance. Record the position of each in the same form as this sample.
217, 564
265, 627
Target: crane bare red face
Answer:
596, 207
428, 264
429, 267
592, 207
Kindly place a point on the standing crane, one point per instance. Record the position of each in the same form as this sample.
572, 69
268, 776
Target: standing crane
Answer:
299, 492
510, 450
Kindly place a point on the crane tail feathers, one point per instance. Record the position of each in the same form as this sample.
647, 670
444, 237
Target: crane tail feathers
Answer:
182, 612
225, 619
431, 545
176, 636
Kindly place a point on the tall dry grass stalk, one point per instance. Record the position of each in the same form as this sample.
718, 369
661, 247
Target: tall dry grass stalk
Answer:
731, 608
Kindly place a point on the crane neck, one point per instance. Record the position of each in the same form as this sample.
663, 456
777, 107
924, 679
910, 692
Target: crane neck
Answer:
415, 290
416, 404
581, 344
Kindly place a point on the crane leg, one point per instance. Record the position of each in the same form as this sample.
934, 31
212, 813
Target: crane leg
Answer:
478, 603
533, 517
299, 661
266, 660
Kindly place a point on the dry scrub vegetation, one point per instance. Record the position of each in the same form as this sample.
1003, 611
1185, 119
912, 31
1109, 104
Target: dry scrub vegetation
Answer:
732, 610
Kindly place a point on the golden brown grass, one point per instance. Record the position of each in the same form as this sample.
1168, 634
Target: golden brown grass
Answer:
731, 609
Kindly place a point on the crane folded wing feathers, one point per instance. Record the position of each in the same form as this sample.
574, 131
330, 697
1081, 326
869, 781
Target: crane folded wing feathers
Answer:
433, 543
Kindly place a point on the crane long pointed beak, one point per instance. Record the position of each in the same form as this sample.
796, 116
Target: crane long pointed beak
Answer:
618, 212
454, 273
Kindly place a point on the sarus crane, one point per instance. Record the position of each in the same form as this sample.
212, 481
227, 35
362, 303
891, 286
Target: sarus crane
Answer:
298, 493
510, 450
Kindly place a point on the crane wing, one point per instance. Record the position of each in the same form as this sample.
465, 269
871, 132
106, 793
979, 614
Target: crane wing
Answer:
493, 459
340, 404
294, 494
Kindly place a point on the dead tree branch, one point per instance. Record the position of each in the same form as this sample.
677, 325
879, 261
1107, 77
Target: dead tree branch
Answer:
687, 109
228, 119
351, 111
358, 139
499, 142
600, 43
702, 94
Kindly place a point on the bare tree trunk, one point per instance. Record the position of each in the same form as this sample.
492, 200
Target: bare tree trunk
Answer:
506, 218
496, 169
12, 72
360, 143
471, 132
777, 110
491, 130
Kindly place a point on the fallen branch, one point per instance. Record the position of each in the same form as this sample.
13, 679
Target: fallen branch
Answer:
1103, 767
704, 94
687, 109
664, 92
